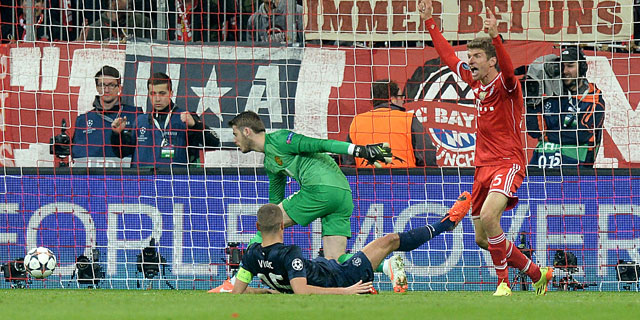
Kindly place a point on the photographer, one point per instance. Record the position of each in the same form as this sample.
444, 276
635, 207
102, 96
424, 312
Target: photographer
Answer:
92, 136
160, 138
568, 125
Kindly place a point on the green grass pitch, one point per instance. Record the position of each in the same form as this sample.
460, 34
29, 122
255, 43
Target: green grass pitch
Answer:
165, 304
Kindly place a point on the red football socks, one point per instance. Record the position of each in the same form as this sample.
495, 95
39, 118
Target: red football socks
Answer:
498, 250
517, 259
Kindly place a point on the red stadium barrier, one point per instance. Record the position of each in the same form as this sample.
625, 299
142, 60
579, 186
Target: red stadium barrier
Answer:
44, 83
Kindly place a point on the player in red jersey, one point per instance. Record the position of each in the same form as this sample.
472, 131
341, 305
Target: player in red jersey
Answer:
500, 158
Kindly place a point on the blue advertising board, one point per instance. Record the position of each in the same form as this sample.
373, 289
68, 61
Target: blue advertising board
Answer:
193, 217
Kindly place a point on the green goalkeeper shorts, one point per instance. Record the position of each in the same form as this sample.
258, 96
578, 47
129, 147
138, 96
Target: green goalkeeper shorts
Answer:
332, 205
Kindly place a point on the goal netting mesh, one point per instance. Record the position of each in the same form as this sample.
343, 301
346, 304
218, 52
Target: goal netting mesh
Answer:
306, 67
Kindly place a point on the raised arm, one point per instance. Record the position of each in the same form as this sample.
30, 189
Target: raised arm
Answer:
504, 60
444, 49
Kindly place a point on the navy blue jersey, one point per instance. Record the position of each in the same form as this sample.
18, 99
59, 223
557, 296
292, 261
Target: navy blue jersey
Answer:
92, 134
276, 265
149, 141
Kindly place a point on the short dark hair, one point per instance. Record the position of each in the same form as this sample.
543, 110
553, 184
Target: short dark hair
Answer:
269, 218
383, 90
159, 78
485, 44
248, 119
108, 71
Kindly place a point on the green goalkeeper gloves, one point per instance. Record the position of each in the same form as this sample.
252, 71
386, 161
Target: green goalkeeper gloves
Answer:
374, 153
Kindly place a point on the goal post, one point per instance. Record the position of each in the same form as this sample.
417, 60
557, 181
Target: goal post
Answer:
188, 216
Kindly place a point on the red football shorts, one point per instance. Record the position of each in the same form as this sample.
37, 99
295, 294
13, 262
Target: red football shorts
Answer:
504, 179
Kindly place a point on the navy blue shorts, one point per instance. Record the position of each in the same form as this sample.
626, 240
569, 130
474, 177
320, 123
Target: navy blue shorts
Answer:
355, 269
332, 274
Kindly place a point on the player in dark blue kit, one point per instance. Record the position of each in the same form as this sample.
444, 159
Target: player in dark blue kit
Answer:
284, 269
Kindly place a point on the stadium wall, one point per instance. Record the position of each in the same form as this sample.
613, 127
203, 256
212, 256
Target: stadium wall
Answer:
194, 216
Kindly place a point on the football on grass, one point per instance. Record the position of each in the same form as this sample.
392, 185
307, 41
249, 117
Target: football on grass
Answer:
40, 262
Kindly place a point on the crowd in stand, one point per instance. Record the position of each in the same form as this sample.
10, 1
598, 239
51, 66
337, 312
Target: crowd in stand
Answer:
122, 20
256, 21
569, 134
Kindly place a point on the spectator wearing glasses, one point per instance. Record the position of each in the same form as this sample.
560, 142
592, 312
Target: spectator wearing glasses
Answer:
390, 121
92, 135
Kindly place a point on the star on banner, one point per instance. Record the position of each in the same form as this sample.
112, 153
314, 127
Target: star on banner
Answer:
210, 96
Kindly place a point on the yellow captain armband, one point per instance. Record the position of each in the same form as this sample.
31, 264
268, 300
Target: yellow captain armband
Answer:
244, 275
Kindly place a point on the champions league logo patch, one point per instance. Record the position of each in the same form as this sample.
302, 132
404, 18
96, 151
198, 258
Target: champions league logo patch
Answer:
297, 264
356, 261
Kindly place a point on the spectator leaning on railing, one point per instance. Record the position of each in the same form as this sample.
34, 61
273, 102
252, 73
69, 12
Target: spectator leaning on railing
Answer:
118, 23
269, 22
160, 138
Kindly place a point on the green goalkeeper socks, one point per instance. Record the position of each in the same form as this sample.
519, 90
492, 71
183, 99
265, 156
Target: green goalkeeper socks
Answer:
257, 238
347, 256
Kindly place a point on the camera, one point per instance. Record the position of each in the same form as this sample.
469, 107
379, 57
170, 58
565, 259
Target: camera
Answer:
60, 145
565, 260
88, 270
627, 271
567, 263
235, 255
15, 272
150, 260
542, 79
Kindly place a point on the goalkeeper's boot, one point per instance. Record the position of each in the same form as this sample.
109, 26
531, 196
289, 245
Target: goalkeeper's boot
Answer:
394, 269
503, 290
226, 286
546, 273
459, 209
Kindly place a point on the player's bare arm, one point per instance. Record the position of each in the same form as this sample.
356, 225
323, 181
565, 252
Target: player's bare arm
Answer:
491, 24
425, 7
300, 286
243, 287
240, 287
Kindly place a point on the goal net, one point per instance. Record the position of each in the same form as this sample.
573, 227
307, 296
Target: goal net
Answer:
313, 79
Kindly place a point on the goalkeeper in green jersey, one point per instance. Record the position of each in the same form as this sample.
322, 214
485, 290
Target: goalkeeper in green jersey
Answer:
324, 190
